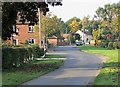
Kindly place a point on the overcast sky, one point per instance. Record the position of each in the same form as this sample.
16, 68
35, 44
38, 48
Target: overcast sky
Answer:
78, 8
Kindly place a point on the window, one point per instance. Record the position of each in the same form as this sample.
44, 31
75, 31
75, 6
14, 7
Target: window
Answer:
31, 41
15, 30
15, 42
30, 29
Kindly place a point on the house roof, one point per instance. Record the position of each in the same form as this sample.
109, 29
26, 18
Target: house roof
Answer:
55, 37
66, 35
85, 32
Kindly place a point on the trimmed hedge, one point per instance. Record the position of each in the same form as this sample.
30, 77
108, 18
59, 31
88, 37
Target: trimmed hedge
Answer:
16, 56
104, 44
116, 45
110, 45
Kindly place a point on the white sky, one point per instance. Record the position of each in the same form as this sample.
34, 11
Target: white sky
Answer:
78, 8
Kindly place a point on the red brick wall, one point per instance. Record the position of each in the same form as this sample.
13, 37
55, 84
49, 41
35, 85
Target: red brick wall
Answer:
53, 41
56, 42
24, 35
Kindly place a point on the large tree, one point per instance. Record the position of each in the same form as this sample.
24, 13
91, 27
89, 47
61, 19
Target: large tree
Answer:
27, 12
109, 16
51, 25
70, 22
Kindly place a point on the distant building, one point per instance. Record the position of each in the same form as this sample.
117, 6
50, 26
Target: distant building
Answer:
85, 35
56, 41
66, 36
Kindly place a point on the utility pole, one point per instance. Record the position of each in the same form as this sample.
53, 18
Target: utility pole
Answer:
40, 28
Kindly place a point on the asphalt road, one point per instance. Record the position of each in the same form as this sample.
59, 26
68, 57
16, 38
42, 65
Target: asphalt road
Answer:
80, 68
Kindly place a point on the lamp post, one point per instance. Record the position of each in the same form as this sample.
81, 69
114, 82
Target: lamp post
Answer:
40, 28
70, 38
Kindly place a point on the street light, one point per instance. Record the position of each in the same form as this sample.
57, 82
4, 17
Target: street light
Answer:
40, 28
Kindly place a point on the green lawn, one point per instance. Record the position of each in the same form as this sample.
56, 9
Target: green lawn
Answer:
29, 71
109, 72
54, 56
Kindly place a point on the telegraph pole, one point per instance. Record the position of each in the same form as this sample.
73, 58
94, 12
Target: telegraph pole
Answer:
40, 28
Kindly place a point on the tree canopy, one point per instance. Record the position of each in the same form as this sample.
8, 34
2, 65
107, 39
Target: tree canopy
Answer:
27, 12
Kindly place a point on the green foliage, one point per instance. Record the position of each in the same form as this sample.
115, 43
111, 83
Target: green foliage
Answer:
110, 45
29, 71
37, 51
72, 39
109, 16
16, 56
104, 44
27, 12
74, 26
116, 45
70, 22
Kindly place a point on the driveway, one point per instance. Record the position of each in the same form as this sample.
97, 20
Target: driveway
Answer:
80, 68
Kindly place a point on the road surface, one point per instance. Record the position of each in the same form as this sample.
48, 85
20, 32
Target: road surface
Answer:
80, 68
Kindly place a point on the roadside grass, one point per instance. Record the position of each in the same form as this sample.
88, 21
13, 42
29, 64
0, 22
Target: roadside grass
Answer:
110, 71
29, 71
54, 56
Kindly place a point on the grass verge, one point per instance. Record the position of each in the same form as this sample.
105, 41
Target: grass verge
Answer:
54, 56
29, 71
110, 71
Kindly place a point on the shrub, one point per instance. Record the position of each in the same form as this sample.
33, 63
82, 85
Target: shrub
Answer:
104, 44
110, 45
37, 51
116, 45
6, 57
16, 56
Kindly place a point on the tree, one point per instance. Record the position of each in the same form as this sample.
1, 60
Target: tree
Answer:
85, 22
95, 33
109, 16
51, 25
27, 12
70, 21
74, 26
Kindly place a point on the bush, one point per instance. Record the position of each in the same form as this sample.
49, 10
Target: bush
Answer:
37, 51
110, 45
104, 44
116, 45
16, 56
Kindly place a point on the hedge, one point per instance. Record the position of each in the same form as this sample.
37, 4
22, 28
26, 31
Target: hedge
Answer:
116, 45
16, 56
104, 44
110, 45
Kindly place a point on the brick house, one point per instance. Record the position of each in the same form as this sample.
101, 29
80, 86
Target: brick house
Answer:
24, 34
56, 41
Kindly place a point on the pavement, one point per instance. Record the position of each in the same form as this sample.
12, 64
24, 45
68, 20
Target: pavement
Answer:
80, 68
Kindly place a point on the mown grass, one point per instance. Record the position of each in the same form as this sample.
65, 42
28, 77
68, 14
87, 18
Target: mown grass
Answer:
29, 71
110, 71
54, 56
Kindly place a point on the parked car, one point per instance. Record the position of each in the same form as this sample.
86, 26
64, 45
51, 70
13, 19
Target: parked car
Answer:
78, 43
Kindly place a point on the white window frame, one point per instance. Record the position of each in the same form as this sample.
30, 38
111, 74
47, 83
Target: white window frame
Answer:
15, 29
31, 41
16, 42
30, 28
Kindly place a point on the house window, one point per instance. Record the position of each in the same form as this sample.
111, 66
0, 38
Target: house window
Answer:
31, 41
15, 41
15, 29
30, 29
